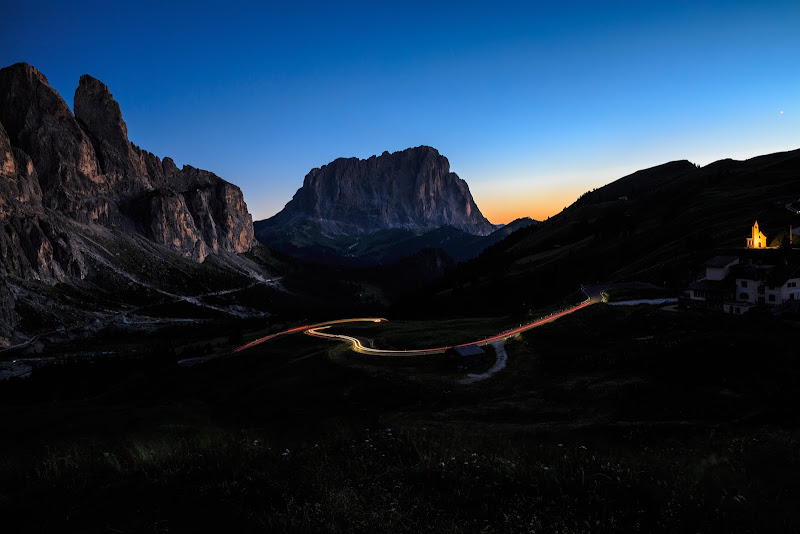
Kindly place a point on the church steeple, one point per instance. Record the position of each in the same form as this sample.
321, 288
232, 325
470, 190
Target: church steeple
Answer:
757, 239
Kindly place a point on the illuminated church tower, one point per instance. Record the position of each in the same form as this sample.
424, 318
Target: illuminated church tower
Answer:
758, 240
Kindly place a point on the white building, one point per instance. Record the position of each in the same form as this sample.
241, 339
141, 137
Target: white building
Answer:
767, 284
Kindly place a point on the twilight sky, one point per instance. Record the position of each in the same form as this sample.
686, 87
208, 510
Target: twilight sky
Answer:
532, 104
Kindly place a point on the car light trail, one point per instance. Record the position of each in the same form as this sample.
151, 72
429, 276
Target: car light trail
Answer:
316, 330
305, 328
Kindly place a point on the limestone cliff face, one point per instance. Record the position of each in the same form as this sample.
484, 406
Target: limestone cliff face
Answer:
216, 210
197, 222
412, 189
65, 178
19, 190
101, 119
33, 245
84, 168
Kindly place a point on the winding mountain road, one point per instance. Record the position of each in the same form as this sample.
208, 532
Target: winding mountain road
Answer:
593, 295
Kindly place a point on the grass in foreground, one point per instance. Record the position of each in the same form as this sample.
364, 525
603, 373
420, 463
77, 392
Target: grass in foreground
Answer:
607, 420
408, 480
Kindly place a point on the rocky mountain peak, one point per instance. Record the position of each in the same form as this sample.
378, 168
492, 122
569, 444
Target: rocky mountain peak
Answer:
101, 118
40, 123
96, 108
412, 189
65, 176
26, 75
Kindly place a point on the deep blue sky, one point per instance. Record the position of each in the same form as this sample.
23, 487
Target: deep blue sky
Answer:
531, 105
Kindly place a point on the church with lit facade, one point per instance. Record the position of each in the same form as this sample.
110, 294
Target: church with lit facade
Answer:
757, 239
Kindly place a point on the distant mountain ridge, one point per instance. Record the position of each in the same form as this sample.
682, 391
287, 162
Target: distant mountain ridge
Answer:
73, 188
410, 192
657, 225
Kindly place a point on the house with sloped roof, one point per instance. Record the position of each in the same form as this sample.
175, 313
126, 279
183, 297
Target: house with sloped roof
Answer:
715, 287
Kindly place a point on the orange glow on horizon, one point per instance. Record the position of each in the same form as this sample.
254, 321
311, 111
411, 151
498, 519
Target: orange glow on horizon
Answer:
539, 206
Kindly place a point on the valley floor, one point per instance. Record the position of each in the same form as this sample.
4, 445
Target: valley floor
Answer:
610, 419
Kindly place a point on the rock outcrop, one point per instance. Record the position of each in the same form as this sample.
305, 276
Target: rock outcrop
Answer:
85, 168
64, 179
34, 246
412, 190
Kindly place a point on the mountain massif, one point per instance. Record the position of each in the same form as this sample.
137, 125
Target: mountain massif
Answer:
77, 199
361, 208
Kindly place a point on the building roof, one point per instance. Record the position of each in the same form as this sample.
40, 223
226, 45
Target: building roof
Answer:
721, 261
774, 275
469, 350
710, 285
751, 272
782, 273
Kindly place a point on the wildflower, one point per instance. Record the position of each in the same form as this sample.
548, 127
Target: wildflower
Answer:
105, 454
255, 442
546, 468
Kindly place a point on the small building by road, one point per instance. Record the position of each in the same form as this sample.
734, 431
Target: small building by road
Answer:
466, 355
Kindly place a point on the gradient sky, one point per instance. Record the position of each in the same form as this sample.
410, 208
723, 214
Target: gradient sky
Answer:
532, 104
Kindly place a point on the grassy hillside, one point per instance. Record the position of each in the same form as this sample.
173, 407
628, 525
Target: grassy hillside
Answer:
674, 217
